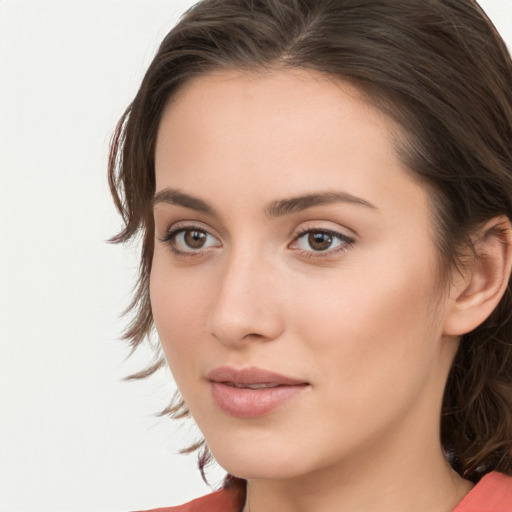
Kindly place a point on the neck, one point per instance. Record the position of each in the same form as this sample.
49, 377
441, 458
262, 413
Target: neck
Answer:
400, 476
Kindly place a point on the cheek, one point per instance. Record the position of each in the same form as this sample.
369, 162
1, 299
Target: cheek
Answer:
369, 327
177, 303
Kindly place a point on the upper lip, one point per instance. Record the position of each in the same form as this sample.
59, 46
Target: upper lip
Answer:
251, 376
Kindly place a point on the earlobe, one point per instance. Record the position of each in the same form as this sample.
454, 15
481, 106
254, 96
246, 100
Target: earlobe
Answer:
476, 292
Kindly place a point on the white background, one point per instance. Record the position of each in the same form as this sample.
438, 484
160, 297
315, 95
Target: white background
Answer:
73, 436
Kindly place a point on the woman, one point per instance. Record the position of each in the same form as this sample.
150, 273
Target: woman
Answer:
324, 193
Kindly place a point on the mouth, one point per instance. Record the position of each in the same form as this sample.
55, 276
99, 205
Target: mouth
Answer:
252, 392
249, 377
263, 385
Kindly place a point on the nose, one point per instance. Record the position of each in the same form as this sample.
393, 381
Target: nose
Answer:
247, 303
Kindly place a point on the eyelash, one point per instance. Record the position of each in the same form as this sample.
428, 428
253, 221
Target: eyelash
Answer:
345, 242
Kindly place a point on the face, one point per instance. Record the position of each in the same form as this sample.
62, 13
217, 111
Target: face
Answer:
294, 281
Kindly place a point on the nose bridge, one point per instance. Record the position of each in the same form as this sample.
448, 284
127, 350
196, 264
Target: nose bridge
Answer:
246, 305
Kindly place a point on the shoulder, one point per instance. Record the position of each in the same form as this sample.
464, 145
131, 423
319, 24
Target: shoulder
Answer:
220, 501
492, 494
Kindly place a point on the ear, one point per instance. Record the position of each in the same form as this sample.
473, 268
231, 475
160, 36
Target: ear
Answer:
478, 288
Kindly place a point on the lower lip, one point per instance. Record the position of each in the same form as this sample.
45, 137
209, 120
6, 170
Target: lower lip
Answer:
252, 403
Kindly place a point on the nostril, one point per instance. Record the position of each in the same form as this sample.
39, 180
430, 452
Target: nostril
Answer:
238, 331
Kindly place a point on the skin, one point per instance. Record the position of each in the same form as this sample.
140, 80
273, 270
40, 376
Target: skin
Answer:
363, 322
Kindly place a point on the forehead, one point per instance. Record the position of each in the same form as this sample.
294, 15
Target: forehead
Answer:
284, 132
253, 99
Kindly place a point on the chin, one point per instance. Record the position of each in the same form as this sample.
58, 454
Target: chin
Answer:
260, 461
270, 469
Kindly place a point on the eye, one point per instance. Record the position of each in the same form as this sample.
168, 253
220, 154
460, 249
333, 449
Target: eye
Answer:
321, 241
190, 240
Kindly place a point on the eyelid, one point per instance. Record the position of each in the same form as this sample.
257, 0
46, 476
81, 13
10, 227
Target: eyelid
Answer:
188, 224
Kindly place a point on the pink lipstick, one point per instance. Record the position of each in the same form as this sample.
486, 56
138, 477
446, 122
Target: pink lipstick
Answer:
252, 392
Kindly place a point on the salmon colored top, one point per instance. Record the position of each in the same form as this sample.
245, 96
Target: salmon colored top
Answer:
493, 493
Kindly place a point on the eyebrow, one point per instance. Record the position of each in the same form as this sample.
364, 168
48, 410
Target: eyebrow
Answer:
299, 203
277, 208
177, 198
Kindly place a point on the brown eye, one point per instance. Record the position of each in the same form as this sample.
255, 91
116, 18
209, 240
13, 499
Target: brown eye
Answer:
190, 240
194, 239
320, 240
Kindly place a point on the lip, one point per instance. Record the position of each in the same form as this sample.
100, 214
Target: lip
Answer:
232, 392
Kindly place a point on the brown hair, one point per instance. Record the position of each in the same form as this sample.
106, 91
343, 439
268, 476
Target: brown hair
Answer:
440, 69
